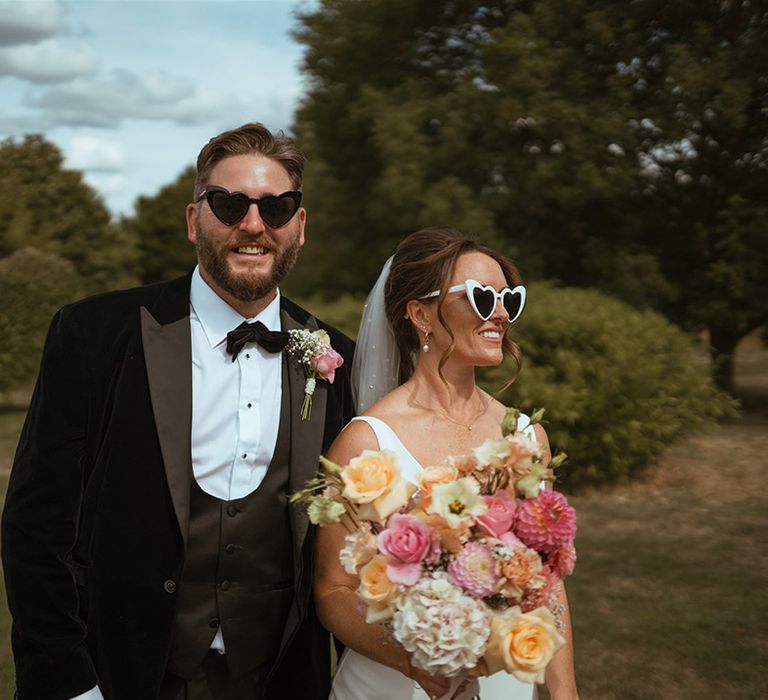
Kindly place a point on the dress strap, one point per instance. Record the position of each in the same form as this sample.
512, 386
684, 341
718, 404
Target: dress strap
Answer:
388, 440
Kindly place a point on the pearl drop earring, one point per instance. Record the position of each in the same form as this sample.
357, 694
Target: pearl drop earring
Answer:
425, 346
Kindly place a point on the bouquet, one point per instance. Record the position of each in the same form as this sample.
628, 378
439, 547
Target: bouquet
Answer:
465, 566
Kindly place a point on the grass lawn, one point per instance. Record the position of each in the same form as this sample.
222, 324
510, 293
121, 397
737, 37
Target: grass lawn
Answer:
668, 598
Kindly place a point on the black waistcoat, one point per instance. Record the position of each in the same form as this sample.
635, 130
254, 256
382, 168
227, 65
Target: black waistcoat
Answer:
238, 569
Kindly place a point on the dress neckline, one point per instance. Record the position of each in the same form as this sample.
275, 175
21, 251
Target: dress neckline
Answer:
392, 434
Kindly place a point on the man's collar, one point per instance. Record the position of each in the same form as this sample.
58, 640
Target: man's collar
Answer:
218, 318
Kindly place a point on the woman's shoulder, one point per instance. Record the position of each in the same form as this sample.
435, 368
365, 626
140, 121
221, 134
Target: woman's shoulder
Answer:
392, 407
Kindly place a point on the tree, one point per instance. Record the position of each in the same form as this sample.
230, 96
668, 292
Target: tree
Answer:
33, 285
46, 206
622, 146
161, 232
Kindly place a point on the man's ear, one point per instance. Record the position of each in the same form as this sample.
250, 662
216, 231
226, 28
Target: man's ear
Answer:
302, 224
192, 214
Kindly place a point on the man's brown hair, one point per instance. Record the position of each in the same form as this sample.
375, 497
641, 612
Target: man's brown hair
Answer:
247, 139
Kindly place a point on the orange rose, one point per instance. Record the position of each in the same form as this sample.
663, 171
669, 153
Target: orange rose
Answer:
443, 474
376, 589
522, 643
451, 539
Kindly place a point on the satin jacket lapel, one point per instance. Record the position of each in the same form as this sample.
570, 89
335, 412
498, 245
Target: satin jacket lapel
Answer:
168, 356
306, 435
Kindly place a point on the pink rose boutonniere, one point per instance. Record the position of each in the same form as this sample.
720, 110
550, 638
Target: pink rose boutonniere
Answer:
313, 351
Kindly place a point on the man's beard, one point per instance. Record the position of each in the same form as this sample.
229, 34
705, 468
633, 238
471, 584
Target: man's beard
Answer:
244, 286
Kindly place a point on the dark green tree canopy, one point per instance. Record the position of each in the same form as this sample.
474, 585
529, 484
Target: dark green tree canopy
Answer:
33, 285
161, 231
622, 146
46, 206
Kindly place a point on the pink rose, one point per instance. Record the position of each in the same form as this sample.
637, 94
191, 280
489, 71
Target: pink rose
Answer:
327, 363
406, 542
509, 539
500, 514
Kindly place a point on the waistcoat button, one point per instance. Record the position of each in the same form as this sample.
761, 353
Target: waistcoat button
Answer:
230, 549
214, 622
224, 585
231, 511
169, 586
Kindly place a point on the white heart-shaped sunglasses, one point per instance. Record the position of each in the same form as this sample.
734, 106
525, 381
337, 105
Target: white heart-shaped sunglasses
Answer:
483, 297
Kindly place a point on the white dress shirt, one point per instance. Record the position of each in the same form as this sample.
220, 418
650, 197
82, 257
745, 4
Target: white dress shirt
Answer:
235, 405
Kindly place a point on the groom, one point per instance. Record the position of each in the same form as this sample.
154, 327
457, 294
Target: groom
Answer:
148, 545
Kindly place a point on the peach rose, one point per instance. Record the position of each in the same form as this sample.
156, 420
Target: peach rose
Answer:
377, 590
443, 474
522, 643
369, 475
389, 502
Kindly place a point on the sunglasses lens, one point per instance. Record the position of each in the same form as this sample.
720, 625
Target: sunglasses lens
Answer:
485, 301
228, 208
278, 211
513, 303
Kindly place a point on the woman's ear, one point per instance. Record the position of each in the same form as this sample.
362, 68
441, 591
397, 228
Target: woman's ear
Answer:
417, 313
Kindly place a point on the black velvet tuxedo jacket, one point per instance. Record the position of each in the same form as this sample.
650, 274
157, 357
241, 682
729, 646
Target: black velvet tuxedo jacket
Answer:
97, 511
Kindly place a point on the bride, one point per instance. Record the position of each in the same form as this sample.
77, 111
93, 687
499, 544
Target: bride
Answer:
442, 306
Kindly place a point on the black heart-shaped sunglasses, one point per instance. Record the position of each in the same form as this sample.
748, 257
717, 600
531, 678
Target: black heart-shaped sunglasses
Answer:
230, 208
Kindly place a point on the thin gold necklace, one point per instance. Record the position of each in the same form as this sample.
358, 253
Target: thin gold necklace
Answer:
440, 411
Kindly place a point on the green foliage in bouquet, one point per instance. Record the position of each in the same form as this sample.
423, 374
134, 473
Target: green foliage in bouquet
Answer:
33, 285
618, 383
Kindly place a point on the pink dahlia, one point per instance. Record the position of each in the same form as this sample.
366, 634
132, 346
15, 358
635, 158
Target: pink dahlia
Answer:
562, 560
474, 569
545, 522
544, 593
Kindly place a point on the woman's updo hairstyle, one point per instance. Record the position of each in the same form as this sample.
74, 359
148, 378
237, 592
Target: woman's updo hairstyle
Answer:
423, 262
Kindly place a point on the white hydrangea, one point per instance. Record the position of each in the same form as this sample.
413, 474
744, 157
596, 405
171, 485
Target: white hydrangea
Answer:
444, 630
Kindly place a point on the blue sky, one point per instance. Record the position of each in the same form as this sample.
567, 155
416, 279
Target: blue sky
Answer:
130, 90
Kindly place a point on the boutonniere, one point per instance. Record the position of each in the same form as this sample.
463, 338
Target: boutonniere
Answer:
313, 351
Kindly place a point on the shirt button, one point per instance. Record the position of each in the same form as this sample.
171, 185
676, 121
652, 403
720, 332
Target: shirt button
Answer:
214, 622
224, 585
245, 455
232, 511
247, 356
230, 549
169, 586
249, 405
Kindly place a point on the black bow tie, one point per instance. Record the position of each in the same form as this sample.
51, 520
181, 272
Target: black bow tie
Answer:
271, 341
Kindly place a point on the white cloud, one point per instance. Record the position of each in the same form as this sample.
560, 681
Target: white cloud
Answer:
47, 62
109, 101
105, 184
95, 155
29, 21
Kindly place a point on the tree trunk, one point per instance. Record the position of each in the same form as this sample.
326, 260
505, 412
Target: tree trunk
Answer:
722, 350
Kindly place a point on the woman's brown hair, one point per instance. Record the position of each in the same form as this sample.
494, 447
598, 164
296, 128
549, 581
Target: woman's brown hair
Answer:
423, 262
